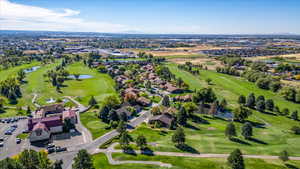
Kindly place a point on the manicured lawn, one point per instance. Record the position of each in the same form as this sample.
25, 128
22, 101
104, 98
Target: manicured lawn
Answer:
210, 138
4, 74
11, 113
100, 161
100, 85
93, 124
230, 87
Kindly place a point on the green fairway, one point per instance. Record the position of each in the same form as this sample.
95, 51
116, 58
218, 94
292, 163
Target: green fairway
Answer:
4, 74
100, 161
230, 87
93, 124
100, 85
210, 137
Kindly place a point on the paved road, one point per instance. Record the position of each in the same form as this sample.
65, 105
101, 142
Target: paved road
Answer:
92, 146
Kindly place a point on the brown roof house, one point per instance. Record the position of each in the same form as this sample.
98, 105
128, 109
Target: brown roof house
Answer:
143, 101
172, 89
163, 120
186, 98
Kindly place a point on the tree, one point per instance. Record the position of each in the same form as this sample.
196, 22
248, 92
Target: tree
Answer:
223, 105
190, 108
241, 113
270, 104
230, 131
103, 114
9, 163
122, 126
180, 82
141, 142
285, 112
83, 160
58, 164
247, 130
284, 156
182, 116
92, 101
29, 159
113, 116
124, 140
28, 111
68, 125
235, 159
166, 101
148, 84
250, 101
213, 109
21, 75
208, 81
260, 106
297, 97
294, 115
179, 137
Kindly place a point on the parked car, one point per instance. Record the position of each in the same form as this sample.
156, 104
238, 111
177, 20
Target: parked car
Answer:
50, 150
8, 132
60, 149
1, 144
1, 139
18, 140
50, 146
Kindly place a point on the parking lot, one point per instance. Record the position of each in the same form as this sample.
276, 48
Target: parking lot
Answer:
9, 144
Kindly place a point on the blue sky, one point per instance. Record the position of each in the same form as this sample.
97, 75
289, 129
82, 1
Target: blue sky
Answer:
153, 16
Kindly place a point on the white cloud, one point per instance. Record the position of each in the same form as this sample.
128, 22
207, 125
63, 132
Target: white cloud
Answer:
14, 16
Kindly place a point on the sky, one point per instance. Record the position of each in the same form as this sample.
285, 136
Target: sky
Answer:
153, 16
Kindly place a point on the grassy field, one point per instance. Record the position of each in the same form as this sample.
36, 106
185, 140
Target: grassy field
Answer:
11, 113
93, 124
4, 74
209, 137
100, 161
230, 87
23, 136
100, 85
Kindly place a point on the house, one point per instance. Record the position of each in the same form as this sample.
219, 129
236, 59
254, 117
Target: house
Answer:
172, 89
186, 98
143, 101
165, 120
124, 110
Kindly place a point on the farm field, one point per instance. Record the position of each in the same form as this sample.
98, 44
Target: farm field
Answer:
100, 161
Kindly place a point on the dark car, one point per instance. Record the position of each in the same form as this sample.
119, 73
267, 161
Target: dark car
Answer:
60, 149
18, 140
1, 139
50, 150
8, 132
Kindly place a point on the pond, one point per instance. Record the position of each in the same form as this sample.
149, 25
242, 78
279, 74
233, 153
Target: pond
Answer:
80, 77
33, 69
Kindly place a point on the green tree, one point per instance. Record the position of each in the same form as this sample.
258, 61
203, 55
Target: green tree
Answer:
270, 104
247, 130
182, 116
242, 100
122, 126
241, 113
179, 137
235, 159
208, 81
294, 115
141, 142
166, 101
83, 160
124, 140
58, 164
260, 106
251, 101
230, 131
92, 101
285, 112
284, 156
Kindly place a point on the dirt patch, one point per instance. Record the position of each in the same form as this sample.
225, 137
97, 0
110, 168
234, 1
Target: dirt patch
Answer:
210, 63
211, 128
289, 56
